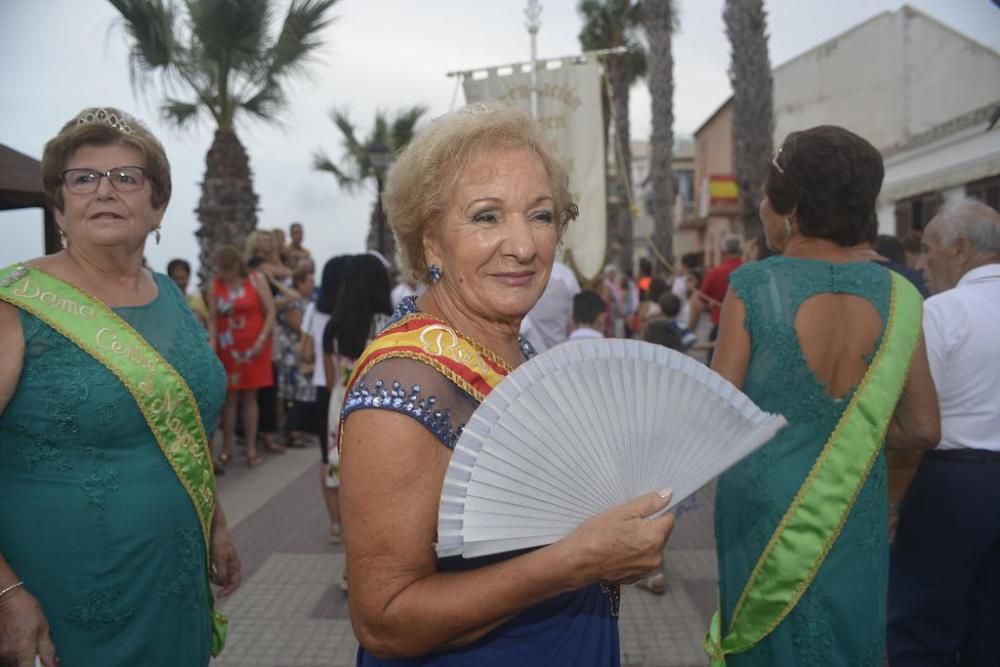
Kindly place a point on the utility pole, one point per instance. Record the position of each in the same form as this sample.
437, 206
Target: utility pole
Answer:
533, 12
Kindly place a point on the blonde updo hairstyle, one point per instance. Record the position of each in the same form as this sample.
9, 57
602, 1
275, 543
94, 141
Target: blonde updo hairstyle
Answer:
255, 240
105, 126
422, 180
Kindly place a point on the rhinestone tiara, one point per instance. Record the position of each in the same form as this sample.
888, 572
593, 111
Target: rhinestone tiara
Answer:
119, 120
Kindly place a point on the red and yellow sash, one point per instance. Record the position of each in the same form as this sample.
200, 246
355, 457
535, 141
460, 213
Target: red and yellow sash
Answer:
423, 338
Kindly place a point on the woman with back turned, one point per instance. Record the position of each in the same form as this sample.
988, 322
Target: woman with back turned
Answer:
834, 345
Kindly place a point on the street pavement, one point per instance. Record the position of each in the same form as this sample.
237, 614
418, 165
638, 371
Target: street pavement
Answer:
290, 610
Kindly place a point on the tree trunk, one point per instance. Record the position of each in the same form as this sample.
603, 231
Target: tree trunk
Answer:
619, 78
227, 210
659, 28
753, 104
388, 248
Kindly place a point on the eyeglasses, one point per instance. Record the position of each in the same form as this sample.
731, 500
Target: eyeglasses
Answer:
774, 161
86, 181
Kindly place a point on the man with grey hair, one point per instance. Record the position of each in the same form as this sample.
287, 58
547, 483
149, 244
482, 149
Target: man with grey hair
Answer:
944, 587
713, 289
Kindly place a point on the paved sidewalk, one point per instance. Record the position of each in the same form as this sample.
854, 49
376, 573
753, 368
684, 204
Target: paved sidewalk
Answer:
290, 612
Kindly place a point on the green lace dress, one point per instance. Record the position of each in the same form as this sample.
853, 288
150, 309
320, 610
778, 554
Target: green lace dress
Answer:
840, 620
92, 517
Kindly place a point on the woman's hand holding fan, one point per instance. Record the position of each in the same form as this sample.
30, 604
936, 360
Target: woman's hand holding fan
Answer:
620, 546
584, 428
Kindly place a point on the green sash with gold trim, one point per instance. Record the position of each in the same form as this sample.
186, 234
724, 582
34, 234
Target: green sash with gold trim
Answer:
163, 397
813, 521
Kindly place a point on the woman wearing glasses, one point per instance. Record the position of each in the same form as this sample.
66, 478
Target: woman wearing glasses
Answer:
110, 526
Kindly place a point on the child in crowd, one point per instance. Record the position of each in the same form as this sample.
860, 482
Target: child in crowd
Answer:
670, 307
589, 312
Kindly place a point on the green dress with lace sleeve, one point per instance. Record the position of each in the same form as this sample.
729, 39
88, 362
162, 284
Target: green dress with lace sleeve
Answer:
94, 519
840, 620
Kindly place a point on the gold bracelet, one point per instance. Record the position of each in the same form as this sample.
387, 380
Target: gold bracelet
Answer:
10, 588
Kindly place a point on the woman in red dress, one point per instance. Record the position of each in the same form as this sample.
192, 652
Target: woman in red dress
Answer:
241, 316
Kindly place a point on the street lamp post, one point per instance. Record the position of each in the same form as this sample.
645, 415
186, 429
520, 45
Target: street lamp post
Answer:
532, 13
381, 157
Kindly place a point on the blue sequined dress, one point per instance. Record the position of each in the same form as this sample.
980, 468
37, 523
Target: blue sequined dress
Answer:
840, 619
92, 516
574, 629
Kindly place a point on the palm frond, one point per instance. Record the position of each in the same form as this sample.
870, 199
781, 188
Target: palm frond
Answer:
232, 34
150, 25
349, 140
323, 163
180, 113
264, 104
404, 126
611, 23
380, 130
298, 36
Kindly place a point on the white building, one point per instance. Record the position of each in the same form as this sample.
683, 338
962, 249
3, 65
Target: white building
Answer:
920, 91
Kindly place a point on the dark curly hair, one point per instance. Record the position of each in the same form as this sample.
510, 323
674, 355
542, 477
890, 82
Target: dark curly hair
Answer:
833, 177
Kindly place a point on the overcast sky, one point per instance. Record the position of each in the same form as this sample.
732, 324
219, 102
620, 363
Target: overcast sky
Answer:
59, 56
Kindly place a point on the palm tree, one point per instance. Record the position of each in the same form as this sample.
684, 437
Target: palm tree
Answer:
221, 59
661, 22
360, 161
609, 24
753, 104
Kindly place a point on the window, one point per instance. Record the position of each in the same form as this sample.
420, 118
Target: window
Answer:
986, 190
915, 212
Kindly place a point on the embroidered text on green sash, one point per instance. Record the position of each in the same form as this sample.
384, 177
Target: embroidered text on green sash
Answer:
162, 395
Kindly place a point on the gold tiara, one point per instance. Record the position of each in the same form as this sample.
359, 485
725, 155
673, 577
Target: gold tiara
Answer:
119, 120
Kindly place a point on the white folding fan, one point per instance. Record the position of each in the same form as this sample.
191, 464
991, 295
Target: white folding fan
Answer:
584, 427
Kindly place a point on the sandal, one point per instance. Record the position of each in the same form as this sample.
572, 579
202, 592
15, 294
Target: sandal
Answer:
222, 461
296, 441
253, 460
336, 533
273, 447
655, 583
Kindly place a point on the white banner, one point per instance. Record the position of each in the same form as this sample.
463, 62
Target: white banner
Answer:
569, 110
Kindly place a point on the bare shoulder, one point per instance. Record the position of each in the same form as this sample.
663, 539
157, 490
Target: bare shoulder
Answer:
54, 264
11, 352
397, 452
259, 281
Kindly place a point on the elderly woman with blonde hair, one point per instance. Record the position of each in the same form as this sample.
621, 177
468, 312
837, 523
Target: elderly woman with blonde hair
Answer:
478, 204
111, 529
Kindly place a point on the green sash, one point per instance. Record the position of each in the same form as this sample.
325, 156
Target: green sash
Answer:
163, 397
816, 516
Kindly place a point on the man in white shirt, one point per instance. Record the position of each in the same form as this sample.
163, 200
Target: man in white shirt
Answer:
547, 324
944, 584
589, 311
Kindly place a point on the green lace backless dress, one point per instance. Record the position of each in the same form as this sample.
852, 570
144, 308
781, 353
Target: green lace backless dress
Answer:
92, 517
840, 620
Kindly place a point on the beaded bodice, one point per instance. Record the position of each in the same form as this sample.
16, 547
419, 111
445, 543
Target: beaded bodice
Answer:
410, 387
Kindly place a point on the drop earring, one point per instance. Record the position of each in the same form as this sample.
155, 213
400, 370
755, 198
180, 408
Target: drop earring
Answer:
788, 228
434, 273
156, 235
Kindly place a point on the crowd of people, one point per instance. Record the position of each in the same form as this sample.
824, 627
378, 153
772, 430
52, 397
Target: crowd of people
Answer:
113, 383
